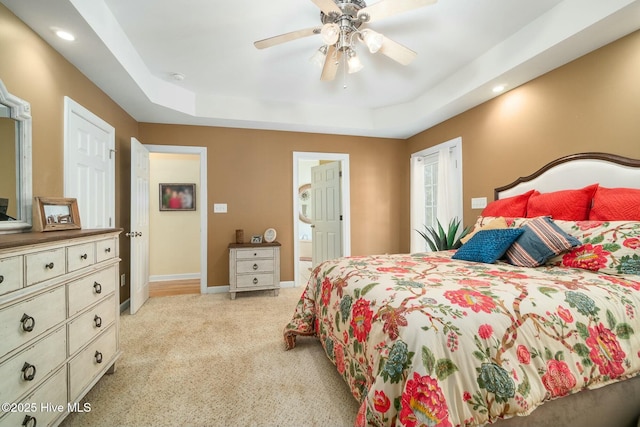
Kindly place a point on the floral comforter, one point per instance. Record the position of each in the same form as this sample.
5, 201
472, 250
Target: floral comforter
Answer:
424, 340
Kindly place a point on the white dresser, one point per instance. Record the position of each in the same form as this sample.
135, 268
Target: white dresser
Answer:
254, 267
59, 312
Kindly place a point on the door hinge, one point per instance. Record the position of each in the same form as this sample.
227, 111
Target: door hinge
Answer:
110, 222
340, 217
112, 151
340, 174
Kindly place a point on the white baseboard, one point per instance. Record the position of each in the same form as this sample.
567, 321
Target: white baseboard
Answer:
217, 289
288, 284
125, 305
170, 277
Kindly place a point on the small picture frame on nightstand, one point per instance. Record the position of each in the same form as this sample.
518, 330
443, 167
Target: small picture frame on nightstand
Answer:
256, 239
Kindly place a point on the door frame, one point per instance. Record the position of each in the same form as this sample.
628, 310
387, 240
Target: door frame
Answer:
345, 186
201, 195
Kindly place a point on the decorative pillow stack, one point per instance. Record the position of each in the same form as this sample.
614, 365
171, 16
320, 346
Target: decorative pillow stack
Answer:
540, 241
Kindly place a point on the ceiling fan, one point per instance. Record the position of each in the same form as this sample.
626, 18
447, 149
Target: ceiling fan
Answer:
341, 29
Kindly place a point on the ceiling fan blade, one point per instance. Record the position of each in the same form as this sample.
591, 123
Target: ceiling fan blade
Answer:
397, 52
386, 8
287, 37
328, 6
331, 64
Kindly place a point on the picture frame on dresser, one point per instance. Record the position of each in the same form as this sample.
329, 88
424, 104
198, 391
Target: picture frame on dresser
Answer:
58, 213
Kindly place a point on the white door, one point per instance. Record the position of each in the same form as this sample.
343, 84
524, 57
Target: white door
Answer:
326, 213
89, 165
139, 232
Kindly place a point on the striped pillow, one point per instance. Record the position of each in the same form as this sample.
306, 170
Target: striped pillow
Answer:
541, 240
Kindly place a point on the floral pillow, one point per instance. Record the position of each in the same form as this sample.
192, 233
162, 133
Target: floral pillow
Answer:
611, 247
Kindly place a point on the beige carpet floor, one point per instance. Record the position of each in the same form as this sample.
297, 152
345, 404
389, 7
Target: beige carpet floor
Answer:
205, 360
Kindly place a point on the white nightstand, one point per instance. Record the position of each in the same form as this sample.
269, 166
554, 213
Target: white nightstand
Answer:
254, 267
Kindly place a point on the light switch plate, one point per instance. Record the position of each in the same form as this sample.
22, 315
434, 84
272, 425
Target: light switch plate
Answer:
478, 202
219, 208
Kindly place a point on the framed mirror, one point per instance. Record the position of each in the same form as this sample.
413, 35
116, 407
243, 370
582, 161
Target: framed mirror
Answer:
15, 163
304, 195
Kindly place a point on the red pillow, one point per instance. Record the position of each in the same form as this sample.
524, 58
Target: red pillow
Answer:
515, 206
568, 205
616, 204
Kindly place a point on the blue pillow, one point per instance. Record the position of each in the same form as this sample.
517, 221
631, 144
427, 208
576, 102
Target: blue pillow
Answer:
488, 245
541, 240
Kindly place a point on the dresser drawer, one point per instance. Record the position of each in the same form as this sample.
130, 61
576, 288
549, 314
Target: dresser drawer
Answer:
45, 265
91, 289
254, 280
89, 362
80, 256
52, 395
10, 274
89, 325
24, 371
254, 253
105, 249
24, 321
254, 266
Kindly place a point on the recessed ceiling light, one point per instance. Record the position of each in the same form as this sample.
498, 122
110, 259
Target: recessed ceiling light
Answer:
498, 88
65, 35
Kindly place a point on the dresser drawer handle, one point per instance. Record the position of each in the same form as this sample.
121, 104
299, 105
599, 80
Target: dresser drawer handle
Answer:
108, 250
1, 278
83, 256
28, 372
50, 267
255, 280
255, 266
29, 421
255, 254
98, 321
98, 287
28, 323
98, 357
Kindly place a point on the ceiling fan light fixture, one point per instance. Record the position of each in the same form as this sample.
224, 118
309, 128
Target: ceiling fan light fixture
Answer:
330, 33
373, 40
319, 57
353, 63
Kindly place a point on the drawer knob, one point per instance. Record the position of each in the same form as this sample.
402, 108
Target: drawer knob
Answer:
255, 254
28, 322
98, 321
255, 280
97, 287
83, 256
29, 421
49, 266
98, 357
255, 266
108, 250
1, 278
28, 371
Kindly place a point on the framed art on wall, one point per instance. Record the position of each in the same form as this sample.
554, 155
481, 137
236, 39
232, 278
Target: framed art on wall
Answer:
57, 213
177, 197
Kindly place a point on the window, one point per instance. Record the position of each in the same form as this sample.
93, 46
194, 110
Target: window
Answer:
436, 188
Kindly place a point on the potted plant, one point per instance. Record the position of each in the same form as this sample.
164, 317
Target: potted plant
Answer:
441, 240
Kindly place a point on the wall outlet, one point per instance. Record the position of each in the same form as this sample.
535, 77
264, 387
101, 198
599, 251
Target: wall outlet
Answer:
219, 208
123, 280
478, 202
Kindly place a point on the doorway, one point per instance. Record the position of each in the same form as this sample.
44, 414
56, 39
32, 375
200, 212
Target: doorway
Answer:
162, 153
302, 219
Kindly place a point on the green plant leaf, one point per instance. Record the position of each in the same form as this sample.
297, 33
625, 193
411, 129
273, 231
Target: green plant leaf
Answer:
624, 331
428, 360
444, 368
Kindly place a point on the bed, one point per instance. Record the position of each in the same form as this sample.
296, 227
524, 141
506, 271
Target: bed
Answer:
533, 339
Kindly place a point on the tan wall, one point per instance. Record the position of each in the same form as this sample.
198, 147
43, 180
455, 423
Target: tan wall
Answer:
35, 72
252, 171
590, 104
174, 240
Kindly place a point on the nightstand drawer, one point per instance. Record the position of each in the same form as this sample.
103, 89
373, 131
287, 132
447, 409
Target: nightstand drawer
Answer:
255, 266
254, 280
105, 249
45, 265
80, 256
254, 253
88, 325
26, 320
24, 371
10, 274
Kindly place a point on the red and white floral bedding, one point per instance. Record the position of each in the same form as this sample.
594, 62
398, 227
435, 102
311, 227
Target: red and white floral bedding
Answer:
424, 340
